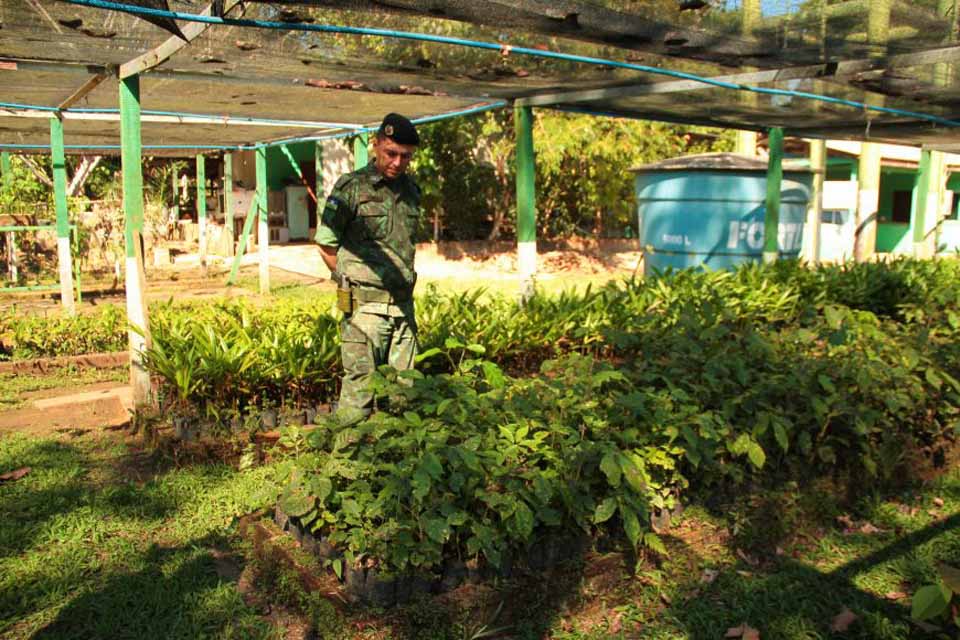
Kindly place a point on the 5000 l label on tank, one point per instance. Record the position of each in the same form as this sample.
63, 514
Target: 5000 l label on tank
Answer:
750, 235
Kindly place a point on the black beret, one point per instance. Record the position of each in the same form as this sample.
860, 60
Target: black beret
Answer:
399, 129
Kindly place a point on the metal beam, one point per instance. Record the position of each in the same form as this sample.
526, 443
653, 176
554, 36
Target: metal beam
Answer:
171, 45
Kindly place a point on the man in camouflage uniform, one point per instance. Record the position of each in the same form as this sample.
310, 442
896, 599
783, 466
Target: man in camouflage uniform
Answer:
366, 240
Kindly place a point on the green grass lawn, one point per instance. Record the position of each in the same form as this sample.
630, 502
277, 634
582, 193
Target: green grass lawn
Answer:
104, 540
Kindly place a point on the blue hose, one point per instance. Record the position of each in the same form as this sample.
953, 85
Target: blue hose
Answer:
422, 37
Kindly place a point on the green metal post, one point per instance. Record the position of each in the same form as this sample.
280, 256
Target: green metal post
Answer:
921, 194
360, 151
6, 168
868, 201
750, 15
244, 236
285, 150
63, 216
228, 202
771, 220
176, 196
818, 164
202, 210
526, 201
263, 228
926, 207
76, 263
318, 170
131, 158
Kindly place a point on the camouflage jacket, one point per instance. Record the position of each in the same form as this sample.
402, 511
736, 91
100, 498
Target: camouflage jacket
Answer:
372, 221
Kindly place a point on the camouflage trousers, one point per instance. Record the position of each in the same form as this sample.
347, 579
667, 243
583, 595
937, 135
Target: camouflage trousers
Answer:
369, 340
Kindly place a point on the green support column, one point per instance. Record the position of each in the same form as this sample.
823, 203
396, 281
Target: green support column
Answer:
868, 201
750, 16
818, 164
926, 209
263, 228
63, 216
868, 169
5, 168
526, 201
131, 159
202, 210
360, 151
771, 220
318, 171
175, 203
228, 223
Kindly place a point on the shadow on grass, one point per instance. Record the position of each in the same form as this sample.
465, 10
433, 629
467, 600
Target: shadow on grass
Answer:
794, 600
78, 543
58, 491
172, 593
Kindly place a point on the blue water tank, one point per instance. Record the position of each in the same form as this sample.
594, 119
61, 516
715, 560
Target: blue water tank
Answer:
708, 210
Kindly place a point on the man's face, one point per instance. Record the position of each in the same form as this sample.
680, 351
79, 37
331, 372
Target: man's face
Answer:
391, 158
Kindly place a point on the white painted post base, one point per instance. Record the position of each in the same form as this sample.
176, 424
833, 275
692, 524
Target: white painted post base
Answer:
263, 251
203, 247
527, 267
12, 259
139, 339
921, 250
64, 263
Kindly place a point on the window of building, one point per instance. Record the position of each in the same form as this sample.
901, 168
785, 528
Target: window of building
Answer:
902, 200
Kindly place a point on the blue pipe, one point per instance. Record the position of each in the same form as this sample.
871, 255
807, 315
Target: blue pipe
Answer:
422, 37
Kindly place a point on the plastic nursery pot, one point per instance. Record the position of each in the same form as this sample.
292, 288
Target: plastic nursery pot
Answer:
185, 428
268, 418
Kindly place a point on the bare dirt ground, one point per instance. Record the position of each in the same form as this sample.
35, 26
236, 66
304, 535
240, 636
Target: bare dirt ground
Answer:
455, 266
70, 409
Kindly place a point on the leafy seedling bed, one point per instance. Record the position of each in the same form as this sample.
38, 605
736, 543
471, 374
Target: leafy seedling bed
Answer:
364, 583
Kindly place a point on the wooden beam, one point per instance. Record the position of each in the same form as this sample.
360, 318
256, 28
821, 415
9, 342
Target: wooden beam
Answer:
85, 89
168, 119
171, 45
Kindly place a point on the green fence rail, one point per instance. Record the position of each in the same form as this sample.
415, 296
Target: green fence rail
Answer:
74, 241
